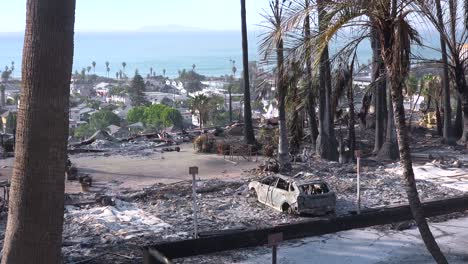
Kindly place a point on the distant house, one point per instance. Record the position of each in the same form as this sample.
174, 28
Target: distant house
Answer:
186, 115
119, 99
85, 113
102, 89
74, 114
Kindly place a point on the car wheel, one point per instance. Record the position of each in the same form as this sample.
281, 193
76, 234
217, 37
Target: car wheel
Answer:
253, 193
285, 208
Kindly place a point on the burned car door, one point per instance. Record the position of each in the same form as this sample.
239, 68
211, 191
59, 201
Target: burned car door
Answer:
263, 188
270, 190
280, 194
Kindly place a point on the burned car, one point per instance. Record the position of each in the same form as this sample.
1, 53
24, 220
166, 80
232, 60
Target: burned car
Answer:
294, 196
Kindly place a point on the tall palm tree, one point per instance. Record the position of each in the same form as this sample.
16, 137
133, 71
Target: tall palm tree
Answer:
396, 35
445, 78
164, 72
193, 67
124, 64
88, 69
107, 68
94, 67
272, 45
378, 69
200, 106
311, 105
326, 142
249, 136
453, 33
35, 217
151, 71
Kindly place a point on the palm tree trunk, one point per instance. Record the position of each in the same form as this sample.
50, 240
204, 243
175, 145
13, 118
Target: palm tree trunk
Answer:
283, 145
378, 67
389, 150
311, 112
464, 137
458, 125
351, 131
230, 103
408, 174
448, 138
35, 218
439, 124
249, 136
326, 142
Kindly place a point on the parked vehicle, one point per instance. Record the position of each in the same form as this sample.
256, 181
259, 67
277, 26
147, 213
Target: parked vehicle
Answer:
293, 196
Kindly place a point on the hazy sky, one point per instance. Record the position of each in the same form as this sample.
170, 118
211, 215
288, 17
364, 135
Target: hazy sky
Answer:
128, 15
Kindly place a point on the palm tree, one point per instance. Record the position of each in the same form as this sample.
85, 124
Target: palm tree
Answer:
193, 67
326, 142
151, 71
107, 68
452, 36
273, 45
378, 69
249, 136
164, 72
124, 64
445, 79
311, 105
200, 106
94, 67
35, 217
88, 69
396, 35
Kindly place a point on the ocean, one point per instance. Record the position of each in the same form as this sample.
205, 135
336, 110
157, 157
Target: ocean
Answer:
210, 51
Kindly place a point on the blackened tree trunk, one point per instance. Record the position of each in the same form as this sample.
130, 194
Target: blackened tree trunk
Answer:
35, 218
389, 150
448, 138
378, 68
458, 125
439, 124
464, 137
351, 123
326, 143
249, 136
311, 105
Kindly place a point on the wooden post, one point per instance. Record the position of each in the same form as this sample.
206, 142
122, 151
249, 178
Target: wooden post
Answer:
273, 241
358, 157
194, 171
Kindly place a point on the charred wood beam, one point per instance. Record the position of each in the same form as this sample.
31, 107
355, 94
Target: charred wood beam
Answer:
259, 237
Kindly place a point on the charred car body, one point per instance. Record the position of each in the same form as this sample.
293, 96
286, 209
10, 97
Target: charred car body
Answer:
294, 196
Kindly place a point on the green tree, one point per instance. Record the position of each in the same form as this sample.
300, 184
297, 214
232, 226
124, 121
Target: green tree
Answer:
171, 116
94, 67
103, 119
84, 131
136, 90
136, 114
